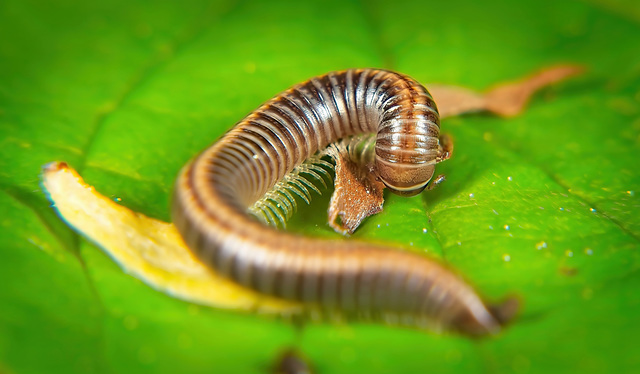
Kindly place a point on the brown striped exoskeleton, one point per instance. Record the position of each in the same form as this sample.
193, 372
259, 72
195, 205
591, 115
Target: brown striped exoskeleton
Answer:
337, 278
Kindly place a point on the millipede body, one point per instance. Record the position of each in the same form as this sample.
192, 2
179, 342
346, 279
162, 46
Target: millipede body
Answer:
340, 278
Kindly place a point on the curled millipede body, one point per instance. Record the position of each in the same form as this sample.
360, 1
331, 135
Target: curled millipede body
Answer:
349, 279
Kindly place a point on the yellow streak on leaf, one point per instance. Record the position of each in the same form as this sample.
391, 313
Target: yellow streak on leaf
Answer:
148, 249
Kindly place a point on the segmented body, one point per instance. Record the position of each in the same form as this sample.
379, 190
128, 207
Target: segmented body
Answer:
350, 279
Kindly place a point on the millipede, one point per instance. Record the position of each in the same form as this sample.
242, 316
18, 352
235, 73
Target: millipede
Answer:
216, 191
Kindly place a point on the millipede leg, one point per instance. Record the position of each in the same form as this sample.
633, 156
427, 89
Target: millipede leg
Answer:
435, 182
446, 148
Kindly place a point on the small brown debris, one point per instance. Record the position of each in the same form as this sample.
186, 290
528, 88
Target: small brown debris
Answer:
291, 362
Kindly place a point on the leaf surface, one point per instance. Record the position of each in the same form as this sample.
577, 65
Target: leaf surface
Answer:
543, 205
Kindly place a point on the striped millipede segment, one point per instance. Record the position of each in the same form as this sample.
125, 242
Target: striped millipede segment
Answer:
350, 279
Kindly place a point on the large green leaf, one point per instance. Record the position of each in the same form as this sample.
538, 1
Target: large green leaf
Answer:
544, 206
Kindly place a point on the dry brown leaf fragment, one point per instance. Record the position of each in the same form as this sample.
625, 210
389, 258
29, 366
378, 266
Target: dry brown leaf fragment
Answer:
505, 99
358, 192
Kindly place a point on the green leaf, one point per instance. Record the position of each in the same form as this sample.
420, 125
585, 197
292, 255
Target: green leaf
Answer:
126, 92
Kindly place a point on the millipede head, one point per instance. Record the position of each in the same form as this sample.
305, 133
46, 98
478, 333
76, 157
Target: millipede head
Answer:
404, 179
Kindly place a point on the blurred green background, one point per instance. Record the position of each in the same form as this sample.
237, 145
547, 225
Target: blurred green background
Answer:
544, 206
